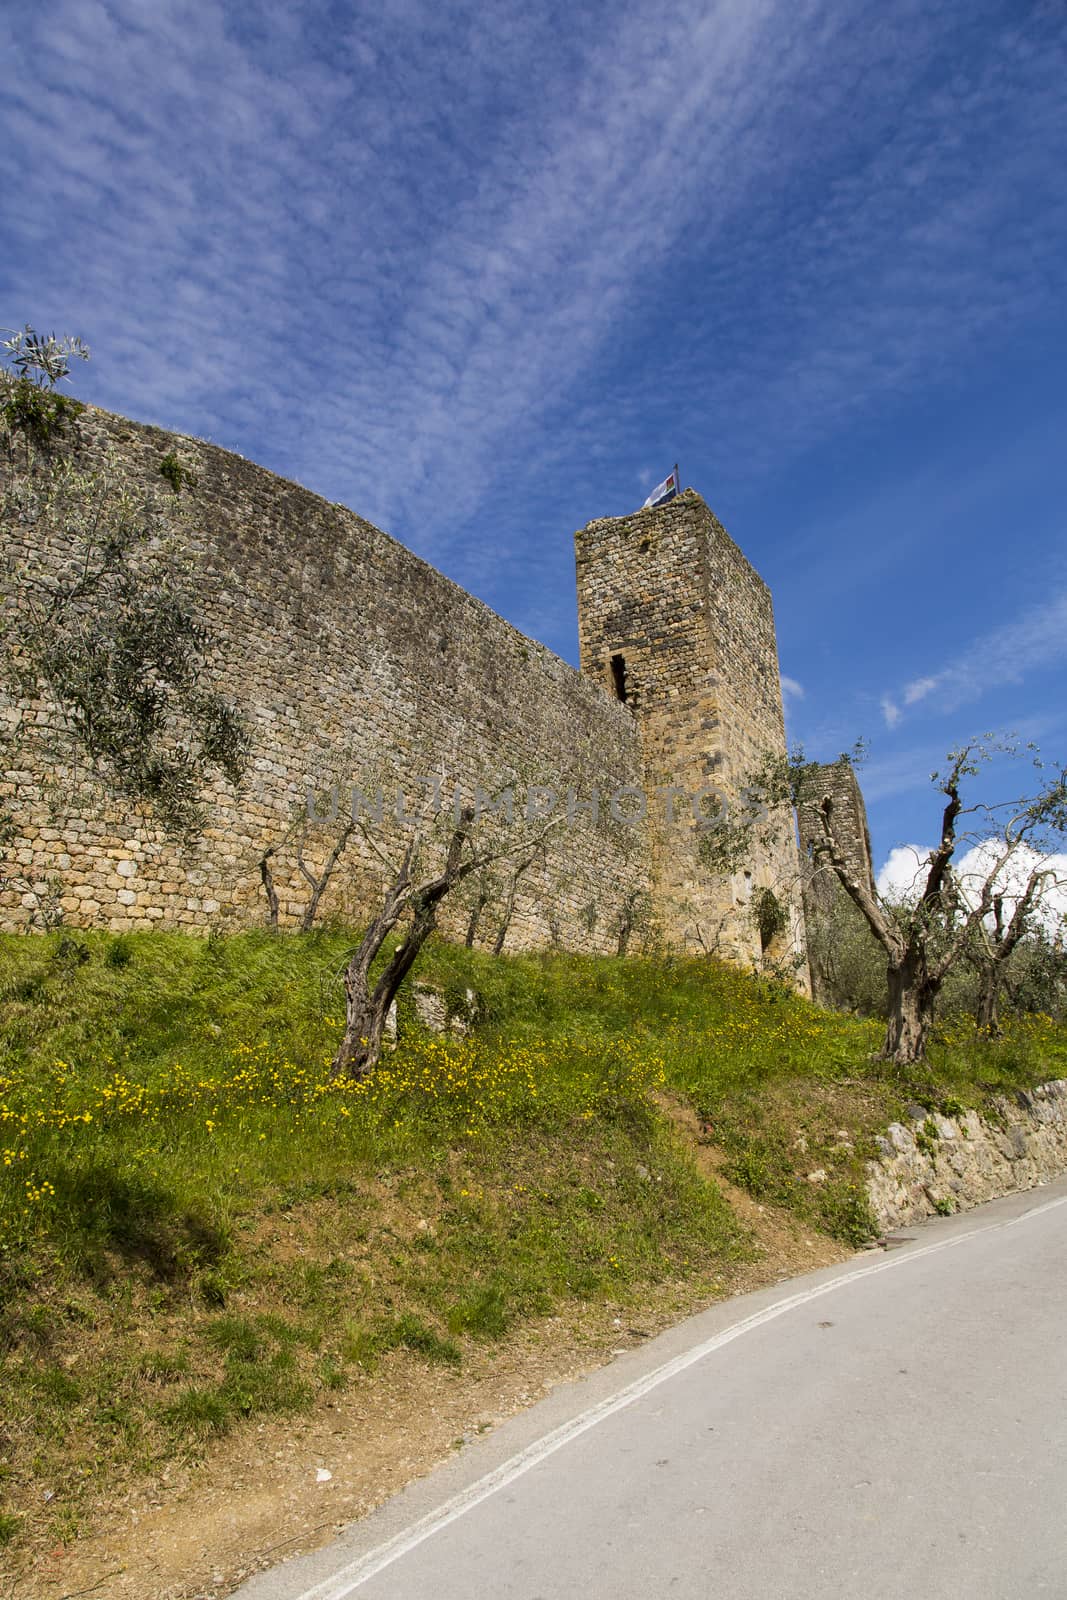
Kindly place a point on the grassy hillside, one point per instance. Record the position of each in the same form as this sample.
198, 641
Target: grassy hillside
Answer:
196, 1226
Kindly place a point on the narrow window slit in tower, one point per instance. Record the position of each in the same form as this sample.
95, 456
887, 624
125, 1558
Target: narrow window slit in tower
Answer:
618, 678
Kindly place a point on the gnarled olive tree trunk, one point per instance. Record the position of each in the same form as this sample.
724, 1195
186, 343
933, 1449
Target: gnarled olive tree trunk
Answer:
915, 970
912, 997
366, 1008
987, 1011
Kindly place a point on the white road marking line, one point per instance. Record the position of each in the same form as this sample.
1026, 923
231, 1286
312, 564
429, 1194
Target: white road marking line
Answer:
350, 1578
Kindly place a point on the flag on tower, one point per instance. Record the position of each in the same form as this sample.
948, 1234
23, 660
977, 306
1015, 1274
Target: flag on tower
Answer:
663, 491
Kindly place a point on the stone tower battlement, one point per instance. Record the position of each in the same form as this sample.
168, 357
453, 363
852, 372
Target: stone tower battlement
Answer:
677, 624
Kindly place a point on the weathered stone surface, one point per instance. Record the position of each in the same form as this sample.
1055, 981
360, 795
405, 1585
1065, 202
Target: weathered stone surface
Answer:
435, 1014
430, 1008
837, 781
821, 890
353, 660
943, 1163
676, 623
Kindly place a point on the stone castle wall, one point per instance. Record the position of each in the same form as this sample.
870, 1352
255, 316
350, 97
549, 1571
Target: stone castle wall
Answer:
351, 658
675, 619
356, 663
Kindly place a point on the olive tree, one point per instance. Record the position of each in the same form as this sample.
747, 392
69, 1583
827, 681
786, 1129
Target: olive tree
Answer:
925, 934
447, 846
1015, 892
31, 406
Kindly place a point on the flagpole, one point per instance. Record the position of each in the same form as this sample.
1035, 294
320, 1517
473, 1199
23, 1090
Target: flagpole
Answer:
677, 480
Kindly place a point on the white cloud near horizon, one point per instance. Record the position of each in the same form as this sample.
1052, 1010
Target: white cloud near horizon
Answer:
904, 870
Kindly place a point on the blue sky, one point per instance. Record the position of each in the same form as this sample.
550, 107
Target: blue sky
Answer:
485, 272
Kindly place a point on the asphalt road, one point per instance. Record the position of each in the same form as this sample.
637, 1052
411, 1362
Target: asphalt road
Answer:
893, 1427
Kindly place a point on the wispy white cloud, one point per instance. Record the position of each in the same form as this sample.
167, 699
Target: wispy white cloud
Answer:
404, 261
919, 690
890, 711
1032, 642
791, 689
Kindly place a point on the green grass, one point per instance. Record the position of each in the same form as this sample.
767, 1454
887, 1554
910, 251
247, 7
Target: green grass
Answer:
197, 1226
366, 1344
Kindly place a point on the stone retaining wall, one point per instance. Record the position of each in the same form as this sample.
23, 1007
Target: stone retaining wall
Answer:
937, 1164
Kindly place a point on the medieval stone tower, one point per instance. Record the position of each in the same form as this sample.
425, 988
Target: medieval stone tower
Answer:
675, 623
